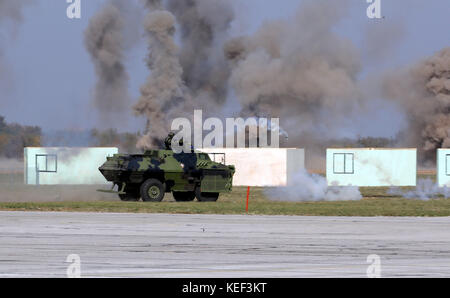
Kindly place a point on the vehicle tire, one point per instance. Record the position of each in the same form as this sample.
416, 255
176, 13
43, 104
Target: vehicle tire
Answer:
206, 196
129, 197
153, 190
187, 196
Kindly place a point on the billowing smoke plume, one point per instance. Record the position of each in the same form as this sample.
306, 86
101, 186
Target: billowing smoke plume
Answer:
299, 70
104, 40
312, 187
203, 28
424, 92
164, 95
196, 75
10, 11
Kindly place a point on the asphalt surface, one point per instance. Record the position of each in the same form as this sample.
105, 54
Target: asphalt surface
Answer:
35, 244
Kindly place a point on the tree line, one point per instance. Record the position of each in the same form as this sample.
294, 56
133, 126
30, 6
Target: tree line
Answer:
15, 137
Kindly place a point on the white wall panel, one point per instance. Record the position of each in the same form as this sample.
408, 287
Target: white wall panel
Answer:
262, 166
372, 167
52, 166
443, 167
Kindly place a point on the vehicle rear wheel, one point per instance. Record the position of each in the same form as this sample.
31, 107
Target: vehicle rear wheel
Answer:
180, 196
152, 190
206, 196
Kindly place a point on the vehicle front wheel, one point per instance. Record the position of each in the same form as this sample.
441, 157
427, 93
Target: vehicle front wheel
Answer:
187, 196
206, 196
152, 190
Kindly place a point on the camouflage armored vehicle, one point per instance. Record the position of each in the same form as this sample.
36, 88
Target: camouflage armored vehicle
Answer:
156, 172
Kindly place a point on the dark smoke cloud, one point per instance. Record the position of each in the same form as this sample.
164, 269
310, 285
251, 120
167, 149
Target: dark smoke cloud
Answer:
196, 75
299, 70
203, 28
104, 40
164, 95
296, 69
424, 92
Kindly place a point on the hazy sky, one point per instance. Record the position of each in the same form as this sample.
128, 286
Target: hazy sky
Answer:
51, 77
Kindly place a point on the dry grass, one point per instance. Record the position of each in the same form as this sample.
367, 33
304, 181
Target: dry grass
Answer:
375, 203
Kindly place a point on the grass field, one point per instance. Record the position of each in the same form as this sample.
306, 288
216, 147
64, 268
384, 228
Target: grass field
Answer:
376, 202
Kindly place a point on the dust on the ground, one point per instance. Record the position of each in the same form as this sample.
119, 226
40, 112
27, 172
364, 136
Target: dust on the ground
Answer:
13, 189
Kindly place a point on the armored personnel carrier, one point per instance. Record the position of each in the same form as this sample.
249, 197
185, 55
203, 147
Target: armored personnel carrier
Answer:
156, 172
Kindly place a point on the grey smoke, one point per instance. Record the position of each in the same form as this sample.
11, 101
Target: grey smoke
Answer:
311, 187
307, 77
104, 40
194, 75
204, 27
153, 4
11, 12
298, 70
164, 95
423, 91
10, 165
5, 80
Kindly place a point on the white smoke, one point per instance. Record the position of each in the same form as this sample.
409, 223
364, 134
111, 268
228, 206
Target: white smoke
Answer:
425, 190
311, 187
10, 165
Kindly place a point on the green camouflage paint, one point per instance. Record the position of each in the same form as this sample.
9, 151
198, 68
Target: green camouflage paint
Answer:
183, 172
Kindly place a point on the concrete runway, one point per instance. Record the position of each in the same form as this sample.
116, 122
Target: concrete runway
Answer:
161, 245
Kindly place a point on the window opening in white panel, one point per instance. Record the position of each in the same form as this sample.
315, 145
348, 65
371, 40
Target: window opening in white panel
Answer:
344, 163
447, 165
338, 163
46, 163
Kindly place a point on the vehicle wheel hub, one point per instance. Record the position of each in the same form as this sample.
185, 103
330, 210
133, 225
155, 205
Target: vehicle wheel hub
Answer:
153, 191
